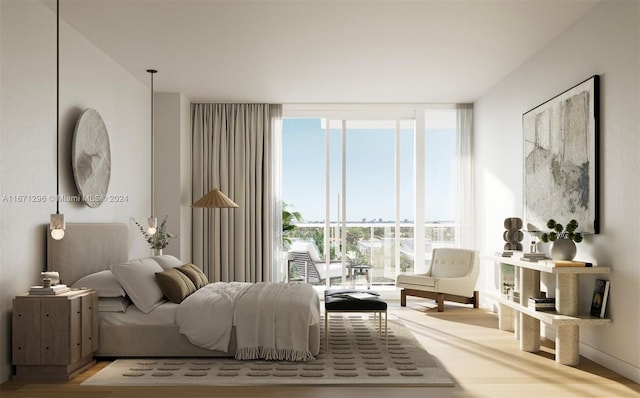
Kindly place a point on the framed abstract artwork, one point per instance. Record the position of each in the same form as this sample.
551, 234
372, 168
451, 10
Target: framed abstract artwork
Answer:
561, 159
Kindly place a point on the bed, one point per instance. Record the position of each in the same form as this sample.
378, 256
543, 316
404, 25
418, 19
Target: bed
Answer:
125, 330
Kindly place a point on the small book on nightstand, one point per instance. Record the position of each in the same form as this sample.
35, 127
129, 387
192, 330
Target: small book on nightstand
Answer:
51, 290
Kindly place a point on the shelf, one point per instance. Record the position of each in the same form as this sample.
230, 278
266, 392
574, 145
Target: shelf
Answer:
540, 266
566, 320
550, 317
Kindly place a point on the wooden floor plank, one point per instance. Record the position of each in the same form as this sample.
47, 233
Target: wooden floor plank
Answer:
484, 361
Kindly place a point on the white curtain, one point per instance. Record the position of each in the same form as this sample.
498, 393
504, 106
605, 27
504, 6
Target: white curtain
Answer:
233, 151
465, 189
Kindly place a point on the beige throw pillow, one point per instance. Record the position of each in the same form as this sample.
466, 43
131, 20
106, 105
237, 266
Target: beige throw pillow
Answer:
175, 285
194, 273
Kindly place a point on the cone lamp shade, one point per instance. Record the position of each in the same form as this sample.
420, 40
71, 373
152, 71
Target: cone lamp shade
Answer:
215, 200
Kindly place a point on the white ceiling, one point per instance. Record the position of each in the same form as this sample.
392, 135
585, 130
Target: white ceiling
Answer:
322, 51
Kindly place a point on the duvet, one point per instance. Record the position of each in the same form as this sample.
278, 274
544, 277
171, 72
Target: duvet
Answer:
271, 319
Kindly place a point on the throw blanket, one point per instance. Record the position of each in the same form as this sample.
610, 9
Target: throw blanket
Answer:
272, 321
206, 316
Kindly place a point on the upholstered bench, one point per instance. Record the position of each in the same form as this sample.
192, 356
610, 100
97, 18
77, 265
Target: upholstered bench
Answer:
350, 300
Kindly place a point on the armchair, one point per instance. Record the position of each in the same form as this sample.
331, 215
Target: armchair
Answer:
452, 277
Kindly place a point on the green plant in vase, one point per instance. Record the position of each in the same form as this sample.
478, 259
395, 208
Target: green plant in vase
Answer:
562, 239
160, 239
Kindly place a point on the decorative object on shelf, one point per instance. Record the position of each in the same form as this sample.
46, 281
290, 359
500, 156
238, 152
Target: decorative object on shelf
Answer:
56, 221
160, 239
91, 158
52, 276
562, 238
600, 298
561, 157
563, 249
152, 222
513, 234
507, 276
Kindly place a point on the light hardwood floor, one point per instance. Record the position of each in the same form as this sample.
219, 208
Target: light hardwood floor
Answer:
484, 361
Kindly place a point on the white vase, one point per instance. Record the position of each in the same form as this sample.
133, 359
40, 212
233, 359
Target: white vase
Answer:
563, 249
157, 252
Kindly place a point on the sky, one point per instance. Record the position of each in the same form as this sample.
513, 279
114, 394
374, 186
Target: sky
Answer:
370, 170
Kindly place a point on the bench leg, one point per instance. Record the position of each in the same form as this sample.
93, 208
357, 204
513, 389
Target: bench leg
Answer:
386, 328
326, 331
403, 298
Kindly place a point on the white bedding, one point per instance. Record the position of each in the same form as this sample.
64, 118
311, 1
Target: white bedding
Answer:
206, 316
164, 314
272, 321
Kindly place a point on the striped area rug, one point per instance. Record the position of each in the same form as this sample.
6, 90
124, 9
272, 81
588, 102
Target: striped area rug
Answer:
355, 356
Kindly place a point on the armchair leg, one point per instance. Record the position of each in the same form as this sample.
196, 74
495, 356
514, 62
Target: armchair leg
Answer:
476, 299
403, 298
440, 301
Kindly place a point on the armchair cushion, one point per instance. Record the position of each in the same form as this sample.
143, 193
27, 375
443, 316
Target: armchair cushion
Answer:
451, 263
416, 281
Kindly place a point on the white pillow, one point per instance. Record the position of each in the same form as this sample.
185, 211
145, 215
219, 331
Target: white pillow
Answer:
102, 282
167, 261
138, 278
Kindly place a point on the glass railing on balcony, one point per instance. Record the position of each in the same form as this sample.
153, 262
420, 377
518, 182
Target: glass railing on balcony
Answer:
376, 244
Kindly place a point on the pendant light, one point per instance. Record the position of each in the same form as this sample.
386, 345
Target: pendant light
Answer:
56, 221
152, 222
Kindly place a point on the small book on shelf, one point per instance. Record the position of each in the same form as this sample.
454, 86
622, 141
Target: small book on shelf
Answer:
50, 290
542, 303
533, 257
600, 296
504, 253
567, 263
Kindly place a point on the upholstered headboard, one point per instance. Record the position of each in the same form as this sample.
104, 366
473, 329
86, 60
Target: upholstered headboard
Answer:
87, 248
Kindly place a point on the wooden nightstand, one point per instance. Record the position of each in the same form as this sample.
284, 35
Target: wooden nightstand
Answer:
54, 337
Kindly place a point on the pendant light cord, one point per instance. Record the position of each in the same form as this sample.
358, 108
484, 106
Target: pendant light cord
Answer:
152, 71
57, 106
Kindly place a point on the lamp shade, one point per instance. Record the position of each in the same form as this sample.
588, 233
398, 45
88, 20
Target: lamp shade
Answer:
56, 226
214, 199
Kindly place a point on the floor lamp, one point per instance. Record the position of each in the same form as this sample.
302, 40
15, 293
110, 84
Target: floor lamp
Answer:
214, 199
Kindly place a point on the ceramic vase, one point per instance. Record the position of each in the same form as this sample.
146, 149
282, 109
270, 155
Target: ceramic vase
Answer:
157, 252
563, 249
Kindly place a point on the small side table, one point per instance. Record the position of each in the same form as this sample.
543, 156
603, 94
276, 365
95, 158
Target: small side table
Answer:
54, 337
359, 269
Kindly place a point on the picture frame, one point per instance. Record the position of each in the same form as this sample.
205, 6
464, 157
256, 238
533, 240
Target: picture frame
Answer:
561, 177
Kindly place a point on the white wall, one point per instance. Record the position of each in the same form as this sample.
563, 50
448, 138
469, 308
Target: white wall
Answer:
606, 41
88, 78
173, 170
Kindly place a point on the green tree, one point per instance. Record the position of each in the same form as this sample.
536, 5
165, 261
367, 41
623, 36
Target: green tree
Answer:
289, 219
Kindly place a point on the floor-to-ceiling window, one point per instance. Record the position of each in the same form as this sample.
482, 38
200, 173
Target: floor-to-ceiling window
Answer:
362, 197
